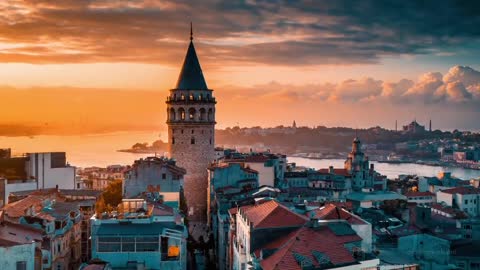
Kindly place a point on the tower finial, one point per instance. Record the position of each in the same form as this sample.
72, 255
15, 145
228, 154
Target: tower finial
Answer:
191, 31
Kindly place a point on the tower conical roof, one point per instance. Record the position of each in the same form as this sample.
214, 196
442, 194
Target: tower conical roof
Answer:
191, 76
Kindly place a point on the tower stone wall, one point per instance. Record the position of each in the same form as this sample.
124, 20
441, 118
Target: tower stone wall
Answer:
191, 132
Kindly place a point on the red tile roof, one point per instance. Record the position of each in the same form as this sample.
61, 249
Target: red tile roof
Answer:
257, 158
331, 212
271, 214
462, 190
304, 242
419, 194
19, 208
343, 172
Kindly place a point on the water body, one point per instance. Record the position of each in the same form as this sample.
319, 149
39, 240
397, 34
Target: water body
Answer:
391, 170
101, 150
84, 150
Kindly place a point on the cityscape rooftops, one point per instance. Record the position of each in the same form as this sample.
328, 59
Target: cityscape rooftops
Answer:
16, 234
271, 214
333, 212
419, 194
375, 196
462, 190
335, 171
310, 247
169, 163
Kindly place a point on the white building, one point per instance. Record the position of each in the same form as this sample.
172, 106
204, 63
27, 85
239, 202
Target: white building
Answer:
50, 170
421, 197
462, 198
36, 171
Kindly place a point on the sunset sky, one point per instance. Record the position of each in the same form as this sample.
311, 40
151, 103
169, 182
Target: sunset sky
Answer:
104, 65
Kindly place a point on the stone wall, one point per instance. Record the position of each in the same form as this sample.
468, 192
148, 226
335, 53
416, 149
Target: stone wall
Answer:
192, 146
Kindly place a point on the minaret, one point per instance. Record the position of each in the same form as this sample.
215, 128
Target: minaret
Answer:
294, 125
430, 126
396, 126
191, 131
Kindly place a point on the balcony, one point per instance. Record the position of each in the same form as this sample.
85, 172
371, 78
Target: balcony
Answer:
179, 101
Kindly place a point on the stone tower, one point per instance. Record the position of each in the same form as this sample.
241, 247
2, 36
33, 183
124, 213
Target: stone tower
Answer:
191, 131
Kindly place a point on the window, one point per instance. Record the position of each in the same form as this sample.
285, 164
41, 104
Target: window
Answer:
147, 243
128, 244
181, 131
22, 265
192, 141
193, 131
191, 113
182, 97
191, 97
466, 201
164, 176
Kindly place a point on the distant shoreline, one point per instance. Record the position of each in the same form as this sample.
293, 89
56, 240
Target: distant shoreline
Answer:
426, 163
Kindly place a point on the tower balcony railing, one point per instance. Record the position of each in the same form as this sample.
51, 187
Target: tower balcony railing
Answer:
174, 121
185, 101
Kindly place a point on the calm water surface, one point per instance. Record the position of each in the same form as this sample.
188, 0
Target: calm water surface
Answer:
391, 170
101, 150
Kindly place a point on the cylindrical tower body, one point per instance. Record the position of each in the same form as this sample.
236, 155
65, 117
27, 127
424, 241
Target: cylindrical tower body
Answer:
191, 132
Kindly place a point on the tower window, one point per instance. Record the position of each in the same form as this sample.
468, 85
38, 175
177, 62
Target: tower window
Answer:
210, 140
181, 131
193, 131
191, 113
182, 113
173, 140
190, 97
200, 97
182, 97
192, 141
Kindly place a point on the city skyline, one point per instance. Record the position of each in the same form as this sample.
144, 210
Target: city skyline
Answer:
317, 65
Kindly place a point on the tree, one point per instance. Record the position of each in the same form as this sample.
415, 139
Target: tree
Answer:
140, 146
111, 197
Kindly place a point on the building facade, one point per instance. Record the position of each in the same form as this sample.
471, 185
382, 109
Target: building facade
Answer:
154, 174
143, 235
191, 132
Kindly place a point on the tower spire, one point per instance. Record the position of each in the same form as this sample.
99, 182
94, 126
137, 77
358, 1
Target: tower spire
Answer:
191, 31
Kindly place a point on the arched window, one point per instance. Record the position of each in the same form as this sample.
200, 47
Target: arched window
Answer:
203, 114
182, 97
200, 97
181, 112
191, 113
192, 140
172, 115
210, 115
190, 97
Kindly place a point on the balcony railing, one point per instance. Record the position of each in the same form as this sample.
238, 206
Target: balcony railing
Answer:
180, 101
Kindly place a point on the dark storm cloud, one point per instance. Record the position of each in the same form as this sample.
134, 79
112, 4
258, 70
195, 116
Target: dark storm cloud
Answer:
268, 32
